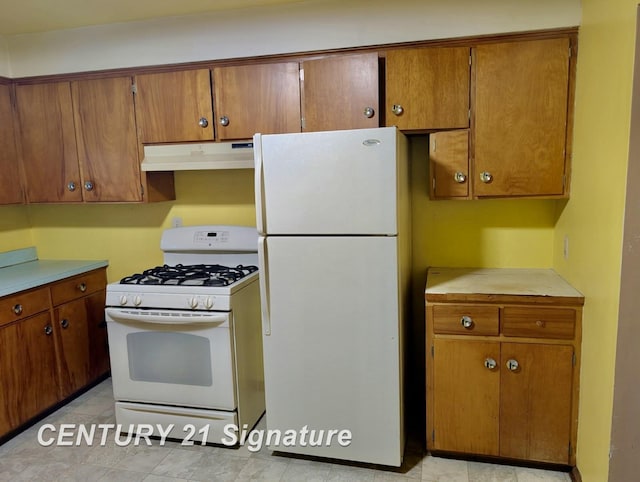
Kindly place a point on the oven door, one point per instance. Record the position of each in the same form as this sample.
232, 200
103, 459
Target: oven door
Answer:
170, 357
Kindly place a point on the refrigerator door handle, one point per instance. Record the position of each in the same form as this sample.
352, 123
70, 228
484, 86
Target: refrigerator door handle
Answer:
259, 183
264, 285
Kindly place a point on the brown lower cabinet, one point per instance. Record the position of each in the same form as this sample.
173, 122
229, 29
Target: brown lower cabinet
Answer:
502, 360
54, 353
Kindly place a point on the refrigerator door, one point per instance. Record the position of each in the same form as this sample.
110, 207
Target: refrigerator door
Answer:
340, 182
332, 344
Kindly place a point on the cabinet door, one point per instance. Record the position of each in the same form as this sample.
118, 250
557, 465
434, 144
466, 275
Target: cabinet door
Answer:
520, 117
449, 164
28, 375
427, 88
465, 396
261, 98
48, 142
107, 142
72, 336
174, 106
97, 330
10, 182
340, 93
535, 415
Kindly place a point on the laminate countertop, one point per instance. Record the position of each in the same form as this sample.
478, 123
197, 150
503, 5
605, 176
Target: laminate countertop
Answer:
21, 270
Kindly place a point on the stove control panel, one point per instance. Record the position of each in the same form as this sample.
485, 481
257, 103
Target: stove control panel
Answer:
210, 238
199, 302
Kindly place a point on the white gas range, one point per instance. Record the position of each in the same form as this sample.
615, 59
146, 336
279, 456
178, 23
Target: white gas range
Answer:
185, 338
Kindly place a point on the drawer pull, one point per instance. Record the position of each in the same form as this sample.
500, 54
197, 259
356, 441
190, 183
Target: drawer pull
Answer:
48, 330
467, 322
64, 323
82, 287
17, 309
513, 365
540, 323
490, 363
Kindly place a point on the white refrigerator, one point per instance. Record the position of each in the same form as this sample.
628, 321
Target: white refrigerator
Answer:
334, 253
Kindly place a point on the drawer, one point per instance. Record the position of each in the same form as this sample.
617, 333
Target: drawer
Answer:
538, 322
78, 286
23, 304
466, 319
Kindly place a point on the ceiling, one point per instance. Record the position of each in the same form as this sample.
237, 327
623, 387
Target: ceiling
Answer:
29, 16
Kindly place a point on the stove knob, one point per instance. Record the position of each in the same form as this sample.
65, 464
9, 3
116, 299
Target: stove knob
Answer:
208, 303
123, 300
193, 302
137, 301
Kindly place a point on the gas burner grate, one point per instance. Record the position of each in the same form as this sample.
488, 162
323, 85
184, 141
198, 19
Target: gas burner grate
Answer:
190, 275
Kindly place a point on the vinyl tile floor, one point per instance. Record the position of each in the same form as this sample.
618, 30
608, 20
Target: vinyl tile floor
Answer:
23, 458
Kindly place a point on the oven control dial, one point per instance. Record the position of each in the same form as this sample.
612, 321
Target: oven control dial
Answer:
193, 302
208, 303
123, 300
137, 301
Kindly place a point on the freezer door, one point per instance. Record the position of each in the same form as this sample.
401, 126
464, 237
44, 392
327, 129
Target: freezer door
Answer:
332, 343
340, 182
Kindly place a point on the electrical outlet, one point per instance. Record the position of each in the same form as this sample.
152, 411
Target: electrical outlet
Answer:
565, 250
176, 222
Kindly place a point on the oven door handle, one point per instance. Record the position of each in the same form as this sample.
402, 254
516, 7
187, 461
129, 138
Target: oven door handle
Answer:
167, 318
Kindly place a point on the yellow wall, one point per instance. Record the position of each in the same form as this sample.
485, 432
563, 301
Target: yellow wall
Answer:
15, 229
593, 217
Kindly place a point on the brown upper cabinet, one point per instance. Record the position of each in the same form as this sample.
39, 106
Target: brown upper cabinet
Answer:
520, 112
106, 137
427, 88
174, 106
340, 92
78, 141
449, 164
261, 98
10, 183
48, 142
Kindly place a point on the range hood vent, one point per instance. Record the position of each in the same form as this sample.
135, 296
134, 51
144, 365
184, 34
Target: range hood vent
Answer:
195, 156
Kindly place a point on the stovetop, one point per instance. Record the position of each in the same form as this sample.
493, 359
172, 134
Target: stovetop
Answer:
191, 275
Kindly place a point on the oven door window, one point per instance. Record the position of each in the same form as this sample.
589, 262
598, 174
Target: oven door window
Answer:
169, 357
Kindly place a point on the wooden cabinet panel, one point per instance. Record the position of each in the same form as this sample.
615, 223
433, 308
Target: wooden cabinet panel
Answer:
81, 285
28, 377
466, 319
520, 117
430, 86
107, 142
98, 340
261, 98
466, 407
23, 304
169, 106
449, 164
539, 322
535, 413
72, 334
48, 142
337, 91
10, 180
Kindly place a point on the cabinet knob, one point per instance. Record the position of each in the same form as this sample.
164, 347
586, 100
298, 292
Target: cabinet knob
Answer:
203, 122
490, 363
513, 365
17, 309
88, 185
48, 330
64, 323
224, 120
467, 322
486, 177
71, 186
369, 112
82, 287
459, 177
397, 109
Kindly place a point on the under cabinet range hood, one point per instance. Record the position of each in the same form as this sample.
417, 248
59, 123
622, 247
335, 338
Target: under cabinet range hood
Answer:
196, 156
